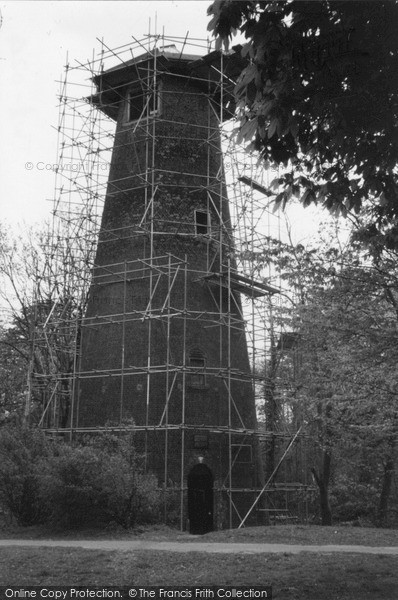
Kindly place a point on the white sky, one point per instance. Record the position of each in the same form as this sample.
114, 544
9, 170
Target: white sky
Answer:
34, 40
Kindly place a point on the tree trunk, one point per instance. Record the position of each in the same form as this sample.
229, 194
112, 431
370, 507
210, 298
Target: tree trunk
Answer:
322, 480
385, 492
271, 410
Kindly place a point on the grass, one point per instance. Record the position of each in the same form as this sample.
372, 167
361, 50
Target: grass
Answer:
293, 577
284, 534
308, 534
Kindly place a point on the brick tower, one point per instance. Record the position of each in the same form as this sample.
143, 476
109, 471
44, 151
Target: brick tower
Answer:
163, 342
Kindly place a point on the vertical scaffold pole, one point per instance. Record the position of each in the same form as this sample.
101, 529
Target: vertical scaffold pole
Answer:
123, 349
167, 386
184, 375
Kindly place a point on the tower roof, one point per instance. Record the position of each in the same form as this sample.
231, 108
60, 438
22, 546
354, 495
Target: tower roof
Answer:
204, 71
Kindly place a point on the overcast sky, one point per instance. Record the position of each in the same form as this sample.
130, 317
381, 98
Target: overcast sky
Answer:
34, 40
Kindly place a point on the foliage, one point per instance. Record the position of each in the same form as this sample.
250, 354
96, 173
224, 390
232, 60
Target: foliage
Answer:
70, 487
131, 494
354, 502
97, 481
353, 328
22, 451
101, 481
334, 368
319, 96
12, 376
44, 297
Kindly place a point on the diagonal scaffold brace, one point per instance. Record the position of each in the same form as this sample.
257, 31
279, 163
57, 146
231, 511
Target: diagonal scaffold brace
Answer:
271, 477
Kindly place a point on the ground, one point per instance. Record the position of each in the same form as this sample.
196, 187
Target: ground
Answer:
305, 576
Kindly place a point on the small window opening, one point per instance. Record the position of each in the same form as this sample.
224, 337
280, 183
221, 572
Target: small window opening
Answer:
197, 364
202, 222
141, 104
201, 441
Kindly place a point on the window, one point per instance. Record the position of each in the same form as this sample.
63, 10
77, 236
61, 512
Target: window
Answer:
201, 441
202, 222
197, 365
141, 104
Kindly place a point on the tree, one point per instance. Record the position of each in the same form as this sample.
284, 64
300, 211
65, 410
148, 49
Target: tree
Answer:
348, 336
44, 291
13, 363
334, 368
22, 451
319, 96
292, 391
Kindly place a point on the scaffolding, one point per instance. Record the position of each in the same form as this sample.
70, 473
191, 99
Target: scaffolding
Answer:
233, 270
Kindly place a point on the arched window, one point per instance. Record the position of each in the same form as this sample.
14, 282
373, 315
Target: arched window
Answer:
197, 367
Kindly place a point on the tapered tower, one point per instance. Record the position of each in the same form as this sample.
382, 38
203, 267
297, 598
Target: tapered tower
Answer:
163, 343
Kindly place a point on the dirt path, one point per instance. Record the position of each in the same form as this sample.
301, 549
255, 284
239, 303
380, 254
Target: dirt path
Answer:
211, 547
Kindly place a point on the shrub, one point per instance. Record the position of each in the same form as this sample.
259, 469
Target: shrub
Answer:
22, 450
130, 495
353, 501
70, 488
99, 482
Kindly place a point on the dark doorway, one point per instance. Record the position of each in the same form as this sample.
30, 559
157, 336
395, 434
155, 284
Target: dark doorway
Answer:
200, 499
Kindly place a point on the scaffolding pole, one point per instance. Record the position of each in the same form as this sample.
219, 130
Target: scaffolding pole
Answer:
233, 257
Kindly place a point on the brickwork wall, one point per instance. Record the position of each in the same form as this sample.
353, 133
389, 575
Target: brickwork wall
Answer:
184, 165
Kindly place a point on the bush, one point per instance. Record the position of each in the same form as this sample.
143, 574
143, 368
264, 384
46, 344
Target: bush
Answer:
354, 501
70, 488
98, 481
131, 496
21, 452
